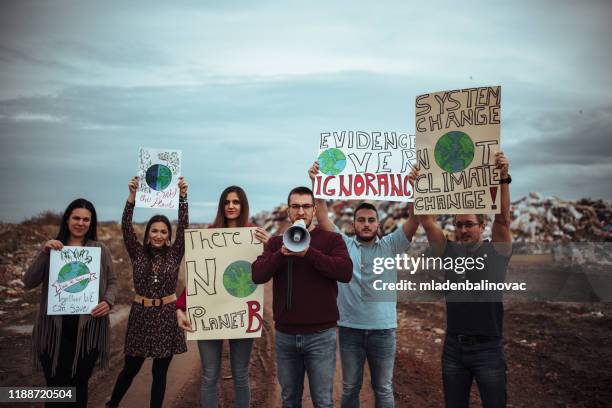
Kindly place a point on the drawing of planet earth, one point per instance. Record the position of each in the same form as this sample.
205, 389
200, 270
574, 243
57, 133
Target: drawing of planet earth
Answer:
237, 279
332, 161
454, 151
70, 271
158, 177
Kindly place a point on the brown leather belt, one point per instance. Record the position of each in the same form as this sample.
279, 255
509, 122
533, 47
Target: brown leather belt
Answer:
146, 302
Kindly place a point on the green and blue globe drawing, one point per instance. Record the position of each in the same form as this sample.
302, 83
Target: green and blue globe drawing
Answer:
70, 271
158, 177
454, 151
237, 279
332, 161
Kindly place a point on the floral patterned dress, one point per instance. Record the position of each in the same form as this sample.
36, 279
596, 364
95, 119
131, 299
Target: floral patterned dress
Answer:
153, 331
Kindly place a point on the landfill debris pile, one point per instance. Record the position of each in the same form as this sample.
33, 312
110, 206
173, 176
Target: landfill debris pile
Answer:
536, 222
550, 219
534, 219
275, 222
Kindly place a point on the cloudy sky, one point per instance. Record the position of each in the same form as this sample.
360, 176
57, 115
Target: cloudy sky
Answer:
244, 88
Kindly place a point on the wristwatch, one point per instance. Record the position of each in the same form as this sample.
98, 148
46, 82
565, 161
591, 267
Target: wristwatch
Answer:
507, 180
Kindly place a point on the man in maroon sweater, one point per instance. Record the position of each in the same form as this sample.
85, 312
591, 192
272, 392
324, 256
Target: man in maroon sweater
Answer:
305, 309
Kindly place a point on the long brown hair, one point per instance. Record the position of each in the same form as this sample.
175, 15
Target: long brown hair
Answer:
64, 233
243, 218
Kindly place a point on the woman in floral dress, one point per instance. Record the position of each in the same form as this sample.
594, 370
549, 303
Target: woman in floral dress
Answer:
152, 327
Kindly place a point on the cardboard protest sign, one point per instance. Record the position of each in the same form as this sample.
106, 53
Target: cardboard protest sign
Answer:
222, 300
457, 136
159, 171
365, 166
74, 280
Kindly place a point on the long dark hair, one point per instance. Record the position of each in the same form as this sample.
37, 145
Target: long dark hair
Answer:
92, 233
154, 219
243, 218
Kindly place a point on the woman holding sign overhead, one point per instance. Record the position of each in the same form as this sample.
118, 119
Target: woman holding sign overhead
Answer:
232, 212
152, 328
68, 346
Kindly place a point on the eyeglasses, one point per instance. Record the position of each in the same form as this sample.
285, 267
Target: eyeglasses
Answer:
467, 224
305, 207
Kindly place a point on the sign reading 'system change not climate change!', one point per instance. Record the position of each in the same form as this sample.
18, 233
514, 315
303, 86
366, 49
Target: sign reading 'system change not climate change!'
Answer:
222, 300
457, 135
159, 171
356, 165
74, 280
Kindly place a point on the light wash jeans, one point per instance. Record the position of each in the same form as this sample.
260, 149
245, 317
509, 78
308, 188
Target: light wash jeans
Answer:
240, 354
313, 354
378, 347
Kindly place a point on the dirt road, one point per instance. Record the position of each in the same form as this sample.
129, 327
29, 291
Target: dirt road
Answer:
183, 387
265, 390
558, 355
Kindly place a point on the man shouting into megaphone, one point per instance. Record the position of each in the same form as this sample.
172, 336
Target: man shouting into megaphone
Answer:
305, 310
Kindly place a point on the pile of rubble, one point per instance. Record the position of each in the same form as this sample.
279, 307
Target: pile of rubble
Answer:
275, 222
534, 219
537, 219
19, 245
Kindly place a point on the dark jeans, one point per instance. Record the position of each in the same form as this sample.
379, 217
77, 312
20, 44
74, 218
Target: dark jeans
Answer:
130, 369
378, 347
463, 361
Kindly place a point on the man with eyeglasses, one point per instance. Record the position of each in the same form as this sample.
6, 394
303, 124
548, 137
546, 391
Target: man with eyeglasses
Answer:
368, 319
304, 304
473, 347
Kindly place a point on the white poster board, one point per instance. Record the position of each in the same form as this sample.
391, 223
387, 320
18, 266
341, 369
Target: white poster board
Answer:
356, 165
74, 280
222, 300
457, 135
158, 171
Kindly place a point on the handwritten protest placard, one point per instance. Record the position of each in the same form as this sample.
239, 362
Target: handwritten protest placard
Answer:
74, 280
457, 135
356, 165
222, 300
159, 171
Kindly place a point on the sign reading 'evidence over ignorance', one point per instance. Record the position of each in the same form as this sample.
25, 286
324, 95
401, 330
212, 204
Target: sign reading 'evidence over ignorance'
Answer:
356, 165
222, 300
457, 134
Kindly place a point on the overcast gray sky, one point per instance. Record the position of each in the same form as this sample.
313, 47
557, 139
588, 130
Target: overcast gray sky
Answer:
244, 88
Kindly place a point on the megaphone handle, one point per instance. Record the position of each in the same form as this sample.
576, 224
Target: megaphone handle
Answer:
289, 294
